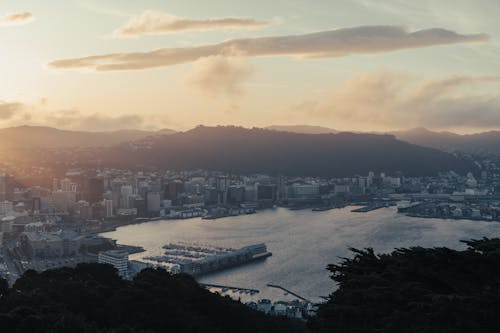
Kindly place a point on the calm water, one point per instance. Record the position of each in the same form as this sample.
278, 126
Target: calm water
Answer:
302, 242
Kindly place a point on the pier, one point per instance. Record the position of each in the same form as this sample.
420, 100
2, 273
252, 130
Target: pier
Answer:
236, 289
289, 291
199, 260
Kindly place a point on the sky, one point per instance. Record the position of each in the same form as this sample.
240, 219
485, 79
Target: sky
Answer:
358, 65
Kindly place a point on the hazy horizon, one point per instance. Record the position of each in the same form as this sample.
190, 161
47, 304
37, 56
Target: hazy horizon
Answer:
286, 128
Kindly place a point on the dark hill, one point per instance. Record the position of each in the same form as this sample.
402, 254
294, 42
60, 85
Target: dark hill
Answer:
235, 149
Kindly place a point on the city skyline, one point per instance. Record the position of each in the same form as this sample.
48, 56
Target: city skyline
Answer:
347, 65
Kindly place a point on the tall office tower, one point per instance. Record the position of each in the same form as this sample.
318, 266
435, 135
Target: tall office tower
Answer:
6, 187
126, 192
108, 207
173, 191
153, 202
95, 189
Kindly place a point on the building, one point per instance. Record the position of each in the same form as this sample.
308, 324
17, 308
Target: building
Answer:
153, 202
108, 207
6, 207
126, 192
6, 188
95, 189
116, 258
66, 185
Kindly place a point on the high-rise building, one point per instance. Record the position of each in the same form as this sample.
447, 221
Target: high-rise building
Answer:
173, 191
95, 189
108, 207
153, 201
6, 187
126, 191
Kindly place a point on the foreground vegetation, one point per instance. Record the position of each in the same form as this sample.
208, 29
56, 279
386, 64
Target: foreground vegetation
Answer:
409, 290
93, 298
415, 290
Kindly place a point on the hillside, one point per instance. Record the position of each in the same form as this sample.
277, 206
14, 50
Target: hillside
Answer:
235, 149
479, 143
48, 137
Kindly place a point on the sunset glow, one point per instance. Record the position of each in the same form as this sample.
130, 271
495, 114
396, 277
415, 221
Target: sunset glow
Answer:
348, 65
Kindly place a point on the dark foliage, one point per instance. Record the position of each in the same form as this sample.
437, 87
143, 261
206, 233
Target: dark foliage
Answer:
415, 290
93, 298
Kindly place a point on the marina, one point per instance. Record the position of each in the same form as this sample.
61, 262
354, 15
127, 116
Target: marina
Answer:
198, 260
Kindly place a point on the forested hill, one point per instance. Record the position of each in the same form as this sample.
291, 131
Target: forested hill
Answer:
236, 149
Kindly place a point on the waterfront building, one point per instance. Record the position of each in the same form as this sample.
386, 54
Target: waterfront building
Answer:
116, 258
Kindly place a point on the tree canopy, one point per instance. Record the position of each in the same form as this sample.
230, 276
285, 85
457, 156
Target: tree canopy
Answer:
415, 290
93, 298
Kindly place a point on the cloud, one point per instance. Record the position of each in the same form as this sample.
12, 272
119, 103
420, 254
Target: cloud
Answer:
331, 44
384, 100
152, 22
9, 110
75, 120
215, 75
15, 18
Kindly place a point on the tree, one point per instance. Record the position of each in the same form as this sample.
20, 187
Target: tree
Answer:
4, 286
415, 290
93, 298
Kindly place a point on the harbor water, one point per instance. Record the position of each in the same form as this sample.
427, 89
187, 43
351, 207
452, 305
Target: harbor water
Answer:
302, 242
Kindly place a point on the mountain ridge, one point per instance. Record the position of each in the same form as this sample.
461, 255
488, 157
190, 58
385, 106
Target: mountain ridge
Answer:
237, 149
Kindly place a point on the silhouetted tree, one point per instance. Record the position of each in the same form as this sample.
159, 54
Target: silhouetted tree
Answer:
4, 286
93, 298
415, 290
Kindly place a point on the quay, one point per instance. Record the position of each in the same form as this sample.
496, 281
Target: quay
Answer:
237, 289
199, 260
289, 291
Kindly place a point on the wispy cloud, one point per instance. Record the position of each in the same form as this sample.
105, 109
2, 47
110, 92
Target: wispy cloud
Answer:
9, 110
15, 113
75, 120
215, 75
393, 100
331, 44
152, 22
15, 19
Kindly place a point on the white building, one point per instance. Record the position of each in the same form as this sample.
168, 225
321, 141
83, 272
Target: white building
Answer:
116, 258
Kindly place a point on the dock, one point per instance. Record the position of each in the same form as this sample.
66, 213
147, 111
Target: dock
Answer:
199, 260
289, 291
371, 207
236, 289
